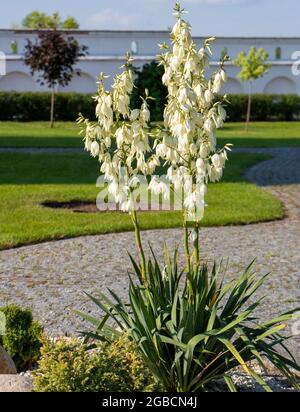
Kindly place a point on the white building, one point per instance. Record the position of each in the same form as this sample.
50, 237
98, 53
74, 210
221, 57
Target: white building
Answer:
107, 48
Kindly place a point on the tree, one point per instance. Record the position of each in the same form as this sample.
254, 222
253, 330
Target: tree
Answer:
70, 23
253, 65
53, 56
150, 77
39, 20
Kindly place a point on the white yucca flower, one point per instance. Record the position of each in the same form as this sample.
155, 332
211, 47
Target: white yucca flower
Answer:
192, 115
122, 164
94, 148
156, 186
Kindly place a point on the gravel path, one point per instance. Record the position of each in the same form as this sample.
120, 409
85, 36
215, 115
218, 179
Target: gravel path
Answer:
51, 277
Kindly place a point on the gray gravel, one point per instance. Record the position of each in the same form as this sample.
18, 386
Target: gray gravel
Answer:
51, 277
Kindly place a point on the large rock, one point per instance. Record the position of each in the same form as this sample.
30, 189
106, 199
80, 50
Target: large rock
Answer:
15, 383
7, 365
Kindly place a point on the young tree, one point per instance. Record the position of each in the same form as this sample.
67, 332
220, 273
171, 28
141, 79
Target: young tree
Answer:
39, 20
53, 56
253, 65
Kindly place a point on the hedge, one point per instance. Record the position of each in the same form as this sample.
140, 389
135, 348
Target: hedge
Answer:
36, 106
264, 107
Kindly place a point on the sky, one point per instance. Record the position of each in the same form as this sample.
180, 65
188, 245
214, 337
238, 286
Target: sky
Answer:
208, 17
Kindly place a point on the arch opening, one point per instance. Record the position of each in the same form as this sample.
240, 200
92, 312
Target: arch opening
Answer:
280, 85
17, 81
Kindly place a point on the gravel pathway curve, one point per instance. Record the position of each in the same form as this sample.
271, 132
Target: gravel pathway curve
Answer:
51, 277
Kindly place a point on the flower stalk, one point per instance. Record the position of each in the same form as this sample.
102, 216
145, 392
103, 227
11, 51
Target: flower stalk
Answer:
139, 245
186, 142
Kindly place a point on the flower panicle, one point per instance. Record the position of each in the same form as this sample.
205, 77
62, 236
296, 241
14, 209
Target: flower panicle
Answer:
193, 113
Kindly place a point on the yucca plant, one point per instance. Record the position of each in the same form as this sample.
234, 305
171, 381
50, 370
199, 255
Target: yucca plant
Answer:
193, 332
190, 329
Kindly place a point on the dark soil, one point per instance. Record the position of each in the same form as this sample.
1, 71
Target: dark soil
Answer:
80, 206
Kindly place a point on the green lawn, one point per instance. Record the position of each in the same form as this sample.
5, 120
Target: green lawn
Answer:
27, 180
261, 134
65, 134
39, 134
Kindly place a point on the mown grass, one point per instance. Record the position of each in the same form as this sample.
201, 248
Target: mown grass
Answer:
65, 134
261, 134
27, 180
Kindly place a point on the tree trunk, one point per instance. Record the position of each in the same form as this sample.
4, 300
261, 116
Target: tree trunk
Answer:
52, 108
248, 108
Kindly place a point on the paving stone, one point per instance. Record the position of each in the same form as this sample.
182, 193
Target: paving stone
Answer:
15, 383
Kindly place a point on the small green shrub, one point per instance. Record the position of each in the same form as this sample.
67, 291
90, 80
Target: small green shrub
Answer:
68, 366
264, 107
150, 77
30, 106
23, 336
35, 106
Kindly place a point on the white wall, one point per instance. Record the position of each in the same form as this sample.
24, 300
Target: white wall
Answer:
107, 49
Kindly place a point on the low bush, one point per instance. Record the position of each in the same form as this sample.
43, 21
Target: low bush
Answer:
23, 336
68, 366
36, 106
264, 107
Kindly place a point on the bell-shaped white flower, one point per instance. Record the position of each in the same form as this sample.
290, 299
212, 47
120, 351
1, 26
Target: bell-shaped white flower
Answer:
216, 160
208, 126
223, 75
201, 167
198, 90
193, 149
204, 150
95, 148
157, 186
134, 114
221, 112
145, 114
161, 150
176, 28
87, 144
208, 96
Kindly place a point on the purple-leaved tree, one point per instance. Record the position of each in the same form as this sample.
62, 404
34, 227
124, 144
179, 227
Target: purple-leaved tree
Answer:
53, 56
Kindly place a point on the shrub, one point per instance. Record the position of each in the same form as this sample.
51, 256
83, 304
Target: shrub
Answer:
264, 107
68, 366
23, 336
35, 106
149, 77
